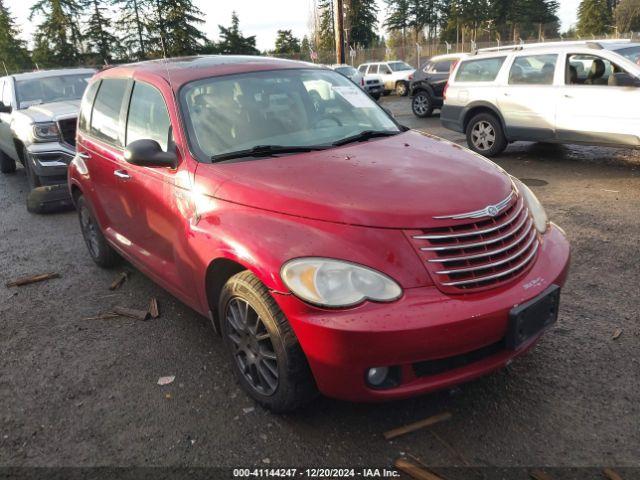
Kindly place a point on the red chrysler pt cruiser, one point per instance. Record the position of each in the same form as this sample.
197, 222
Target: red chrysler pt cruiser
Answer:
333, 249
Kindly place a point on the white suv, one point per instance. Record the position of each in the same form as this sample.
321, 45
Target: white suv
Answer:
396, 75
576, 93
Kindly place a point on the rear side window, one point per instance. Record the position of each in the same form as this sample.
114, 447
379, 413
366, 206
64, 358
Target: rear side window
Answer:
85, 107
533, 70
442, 67
482, 70
363, 68
148, 116
105, 120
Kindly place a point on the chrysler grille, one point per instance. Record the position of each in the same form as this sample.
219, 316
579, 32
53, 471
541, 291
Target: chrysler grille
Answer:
481, 254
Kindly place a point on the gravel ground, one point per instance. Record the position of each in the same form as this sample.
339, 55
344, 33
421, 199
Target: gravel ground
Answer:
77, 392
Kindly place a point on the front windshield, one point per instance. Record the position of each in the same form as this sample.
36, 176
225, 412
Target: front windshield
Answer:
399, 66
347, 71
306, 107
34, 91
631, 53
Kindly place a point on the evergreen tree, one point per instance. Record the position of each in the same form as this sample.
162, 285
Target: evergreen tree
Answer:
13, 51
286, 43
132, 29
233, 42
175, 25
97, 34
362, 19
58, 37
594, 17
305, 49
627, 16
327, 34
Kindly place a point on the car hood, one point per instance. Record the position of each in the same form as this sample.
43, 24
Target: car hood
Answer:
53, 111
395, 182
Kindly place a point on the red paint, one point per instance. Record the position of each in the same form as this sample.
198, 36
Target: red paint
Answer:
354, 203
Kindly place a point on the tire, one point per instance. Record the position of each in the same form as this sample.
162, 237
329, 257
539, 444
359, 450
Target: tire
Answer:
402, 89
421, 104
485, 135
101, 252
273, 369
7, 164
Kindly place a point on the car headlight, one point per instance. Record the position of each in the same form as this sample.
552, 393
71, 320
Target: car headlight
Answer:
540, 219
46, 131
337, 283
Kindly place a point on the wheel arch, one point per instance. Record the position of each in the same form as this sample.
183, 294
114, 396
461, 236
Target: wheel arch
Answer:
482, 107
422, 88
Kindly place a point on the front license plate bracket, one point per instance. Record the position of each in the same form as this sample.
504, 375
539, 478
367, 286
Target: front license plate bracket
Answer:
530, 318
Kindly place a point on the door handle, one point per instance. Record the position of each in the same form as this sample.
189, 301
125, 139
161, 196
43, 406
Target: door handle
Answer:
121, 174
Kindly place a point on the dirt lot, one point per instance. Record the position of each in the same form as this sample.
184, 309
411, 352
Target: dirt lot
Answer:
77, 392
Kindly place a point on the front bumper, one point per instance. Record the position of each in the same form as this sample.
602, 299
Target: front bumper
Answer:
424, 325
50, 161
452, 117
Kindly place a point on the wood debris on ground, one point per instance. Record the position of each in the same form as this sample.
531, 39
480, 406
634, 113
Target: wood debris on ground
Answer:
153, 308
415, 470
610, 474
32, 279
132, 313
119, 280
412, 427
104, 316
616, 334
540, 475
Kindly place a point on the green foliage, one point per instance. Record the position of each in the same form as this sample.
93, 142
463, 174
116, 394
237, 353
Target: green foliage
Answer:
286, 43
132, 29
232, 41
362, 19
327, 35
174, 24
594, 17
13, 51
627, 16
58, 37
98, 37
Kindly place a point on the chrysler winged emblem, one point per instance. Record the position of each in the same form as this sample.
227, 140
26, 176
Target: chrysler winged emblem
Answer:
488, 211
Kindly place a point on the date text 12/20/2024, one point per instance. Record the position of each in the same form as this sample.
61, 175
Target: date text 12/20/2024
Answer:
315, 473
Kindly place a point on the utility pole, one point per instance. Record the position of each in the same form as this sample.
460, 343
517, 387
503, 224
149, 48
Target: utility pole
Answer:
339, 29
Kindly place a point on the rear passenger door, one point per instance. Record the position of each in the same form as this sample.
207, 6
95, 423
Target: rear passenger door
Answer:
528, 100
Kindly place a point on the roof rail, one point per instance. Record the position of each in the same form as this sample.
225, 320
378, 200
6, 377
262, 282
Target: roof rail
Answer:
596, 44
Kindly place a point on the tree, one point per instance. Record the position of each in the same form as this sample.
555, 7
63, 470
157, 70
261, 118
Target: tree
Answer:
233, 42
13, 50
58, 37
305, 49
627, 15
97, 35
174, 25
594, 17
327, 34
286, 43
132, 29
362, 20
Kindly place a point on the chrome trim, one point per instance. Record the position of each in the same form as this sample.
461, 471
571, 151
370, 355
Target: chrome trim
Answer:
52, 163
491, 265
483, 254
472, 233
495, 275
460, 246
121, 174
483, 212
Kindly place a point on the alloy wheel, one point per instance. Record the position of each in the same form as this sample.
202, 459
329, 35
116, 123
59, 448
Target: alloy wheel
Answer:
420, 104
252, 348
90, 232
483, 135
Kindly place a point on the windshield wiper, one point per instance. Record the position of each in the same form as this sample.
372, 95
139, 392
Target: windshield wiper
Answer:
267, 150
365, 135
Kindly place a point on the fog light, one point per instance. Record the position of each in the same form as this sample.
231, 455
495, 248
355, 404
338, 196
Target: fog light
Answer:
376, 376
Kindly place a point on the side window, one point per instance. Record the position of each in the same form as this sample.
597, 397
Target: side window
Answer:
442, 67
362, 69
533, 70
385, 70
148, 117
86, 105
105, 119
591, 70
373, 68
482, 70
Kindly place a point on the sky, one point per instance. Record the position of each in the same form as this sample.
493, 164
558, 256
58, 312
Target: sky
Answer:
257, 17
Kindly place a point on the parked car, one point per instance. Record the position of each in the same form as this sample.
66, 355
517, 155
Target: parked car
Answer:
561, 94
396, 75
429, 81
38, 113
332, 248
372, 85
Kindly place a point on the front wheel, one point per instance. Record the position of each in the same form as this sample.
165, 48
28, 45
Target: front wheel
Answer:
101, 252
422, 105
402, 89
7, 164
485, 135
266, 356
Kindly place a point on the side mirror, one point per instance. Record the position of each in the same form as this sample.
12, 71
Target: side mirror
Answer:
5, 108
148, 153
624, 79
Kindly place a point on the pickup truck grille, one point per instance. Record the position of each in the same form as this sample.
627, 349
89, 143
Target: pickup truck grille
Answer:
68, 130
481, 254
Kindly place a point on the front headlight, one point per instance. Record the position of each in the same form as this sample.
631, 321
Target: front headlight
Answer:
46, 131
540, 219
336, 283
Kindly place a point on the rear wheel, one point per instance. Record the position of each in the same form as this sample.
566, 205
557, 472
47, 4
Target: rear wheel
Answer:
422, 105
485, 135
100, 251
402, 89
266, 356
7, 164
